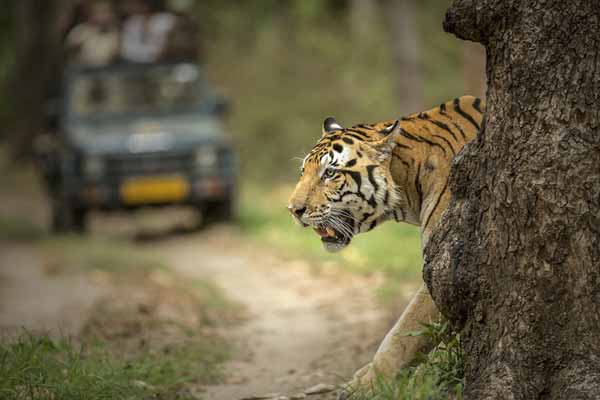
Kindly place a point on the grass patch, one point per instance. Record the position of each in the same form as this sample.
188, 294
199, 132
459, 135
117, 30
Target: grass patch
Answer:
154, 337
162, 329
173, 367
37, 367
405, 387
438, 376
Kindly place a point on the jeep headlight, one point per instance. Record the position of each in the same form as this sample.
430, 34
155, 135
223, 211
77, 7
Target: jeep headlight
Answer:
93, 167
206, 157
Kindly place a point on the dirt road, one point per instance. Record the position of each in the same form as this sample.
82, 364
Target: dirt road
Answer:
302, 328
31, 298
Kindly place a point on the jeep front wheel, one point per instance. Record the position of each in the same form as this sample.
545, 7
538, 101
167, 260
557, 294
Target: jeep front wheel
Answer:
67, 218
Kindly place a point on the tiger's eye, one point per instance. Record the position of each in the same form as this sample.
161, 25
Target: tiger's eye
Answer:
329, 172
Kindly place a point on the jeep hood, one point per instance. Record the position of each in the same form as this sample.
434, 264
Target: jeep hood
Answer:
145, 135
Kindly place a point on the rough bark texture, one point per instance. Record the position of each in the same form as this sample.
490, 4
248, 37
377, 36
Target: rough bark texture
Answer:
515, 261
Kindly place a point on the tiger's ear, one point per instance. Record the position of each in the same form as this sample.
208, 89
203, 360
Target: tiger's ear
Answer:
385, 145
390, 129
330, 125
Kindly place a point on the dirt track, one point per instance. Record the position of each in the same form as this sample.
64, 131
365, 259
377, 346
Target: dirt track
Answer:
302, 329
31, 299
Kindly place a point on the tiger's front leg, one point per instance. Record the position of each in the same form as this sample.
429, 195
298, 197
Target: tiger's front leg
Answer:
398, 350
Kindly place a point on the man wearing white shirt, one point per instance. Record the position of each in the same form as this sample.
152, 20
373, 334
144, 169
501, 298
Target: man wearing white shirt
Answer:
145, 33
95, 42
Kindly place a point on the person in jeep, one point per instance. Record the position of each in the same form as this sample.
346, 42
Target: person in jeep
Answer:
96, 41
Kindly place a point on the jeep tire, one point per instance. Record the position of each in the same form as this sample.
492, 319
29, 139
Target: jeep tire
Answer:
67, 218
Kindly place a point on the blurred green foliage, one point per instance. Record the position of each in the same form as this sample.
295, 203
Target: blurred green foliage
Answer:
288, 65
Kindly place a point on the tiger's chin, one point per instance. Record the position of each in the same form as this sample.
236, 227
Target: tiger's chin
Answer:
333, 241
334, 245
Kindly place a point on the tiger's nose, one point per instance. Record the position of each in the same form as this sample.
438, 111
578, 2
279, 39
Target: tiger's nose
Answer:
297, 211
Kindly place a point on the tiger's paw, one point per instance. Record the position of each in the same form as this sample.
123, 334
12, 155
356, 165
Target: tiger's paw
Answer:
363, 382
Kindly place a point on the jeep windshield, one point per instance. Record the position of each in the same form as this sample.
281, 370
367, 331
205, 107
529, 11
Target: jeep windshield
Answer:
130, 91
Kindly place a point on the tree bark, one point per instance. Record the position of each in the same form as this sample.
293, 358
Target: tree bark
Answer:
515, 261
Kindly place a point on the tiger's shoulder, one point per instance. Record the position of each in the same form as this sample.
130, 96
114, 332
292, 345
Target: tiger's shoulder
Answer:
463, 114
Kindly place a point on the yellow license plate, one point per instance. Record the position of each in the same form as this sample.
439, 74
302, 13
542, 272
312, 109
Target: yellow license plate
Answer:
154, 190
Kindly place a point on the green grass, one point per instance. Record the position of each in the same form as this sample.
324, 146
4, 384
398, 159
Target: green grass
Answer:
34, 367
439, 375
39, 368
127, 349
177, 365
392, 249
405, 387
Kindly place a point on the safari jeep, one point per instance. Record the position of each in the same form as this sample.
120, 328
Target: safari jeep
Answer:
132, 136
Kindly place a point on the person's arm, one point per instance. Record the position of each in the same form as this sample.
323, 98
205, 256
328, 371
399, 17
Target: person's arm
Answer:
76, 37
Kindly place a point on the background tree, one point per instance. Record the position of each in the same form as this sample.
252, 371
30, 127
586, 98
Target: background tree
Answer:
516, 260
405, 43
37, 49
363, 16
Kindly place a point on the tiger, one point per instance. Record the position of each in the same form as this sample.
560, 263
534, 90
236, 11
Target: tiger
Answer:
357, 178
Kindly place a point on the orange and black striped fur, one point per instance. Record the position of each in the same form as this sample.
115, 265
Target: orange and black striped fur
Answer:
356, 178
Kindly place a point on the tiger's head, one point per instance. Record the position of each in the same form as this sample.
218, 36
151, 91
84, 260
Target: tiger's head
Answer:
346, 186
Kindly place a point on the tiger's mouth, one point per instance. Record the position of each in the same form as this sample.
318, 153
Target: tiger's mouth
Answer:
332, 240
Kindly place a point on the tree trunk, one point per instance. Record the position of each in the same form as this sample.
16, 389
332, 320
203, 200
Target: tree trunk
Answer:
363, 17
515, 261
405, 52
37, 68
